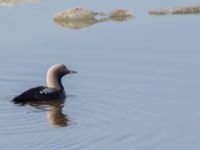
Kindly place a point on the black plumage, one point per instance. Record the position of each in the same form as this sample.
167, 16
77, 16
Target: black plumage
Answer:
40, 93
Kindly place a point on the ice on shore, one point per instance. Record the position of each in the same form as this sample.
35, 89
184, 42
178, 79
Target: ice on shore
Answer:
195, 9
120, 14
77, 18
11, 3
75, 14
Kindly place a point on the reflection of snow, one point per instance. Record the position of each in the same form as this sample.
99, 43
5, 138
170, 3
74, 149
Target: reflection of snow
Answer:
11, 3
78, 24
77, 18
195, 9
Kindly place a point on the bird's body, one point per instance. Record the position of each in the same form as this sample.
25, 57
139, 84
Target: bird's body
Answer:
41, 93
54, 89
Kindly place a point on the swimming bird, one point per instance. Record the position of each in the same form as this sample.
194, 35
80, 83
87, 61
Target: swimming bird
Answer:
54, 89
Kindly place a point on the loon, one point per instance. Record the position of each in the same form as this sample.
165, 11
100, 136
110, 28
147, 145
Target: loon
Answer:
54, 89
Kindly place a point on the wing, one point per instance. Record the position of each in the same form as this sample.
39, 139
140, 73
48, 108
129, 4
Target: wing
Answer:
40, 93
29, 94
49, 94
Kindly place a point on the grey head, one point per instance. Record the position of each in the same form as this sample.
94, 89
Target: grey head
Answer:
54, 75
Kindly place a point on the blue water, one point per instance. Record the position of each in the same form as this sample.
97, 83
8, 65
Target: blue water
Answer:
137, 85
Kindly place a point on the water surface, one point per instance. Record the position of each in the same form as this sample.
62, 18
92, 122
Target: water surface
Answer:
137, 85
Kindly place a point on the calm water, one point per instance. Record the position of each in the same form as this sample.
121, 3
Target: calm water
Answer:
137, 85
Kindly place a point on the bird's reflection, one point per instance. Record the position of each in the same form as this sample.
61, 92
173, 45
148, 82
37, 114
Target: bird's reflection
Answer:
10, 3
55, 115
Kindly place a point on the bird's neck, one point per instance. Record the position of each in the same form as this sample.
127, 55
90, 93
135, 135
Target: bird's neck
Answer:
54, 82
